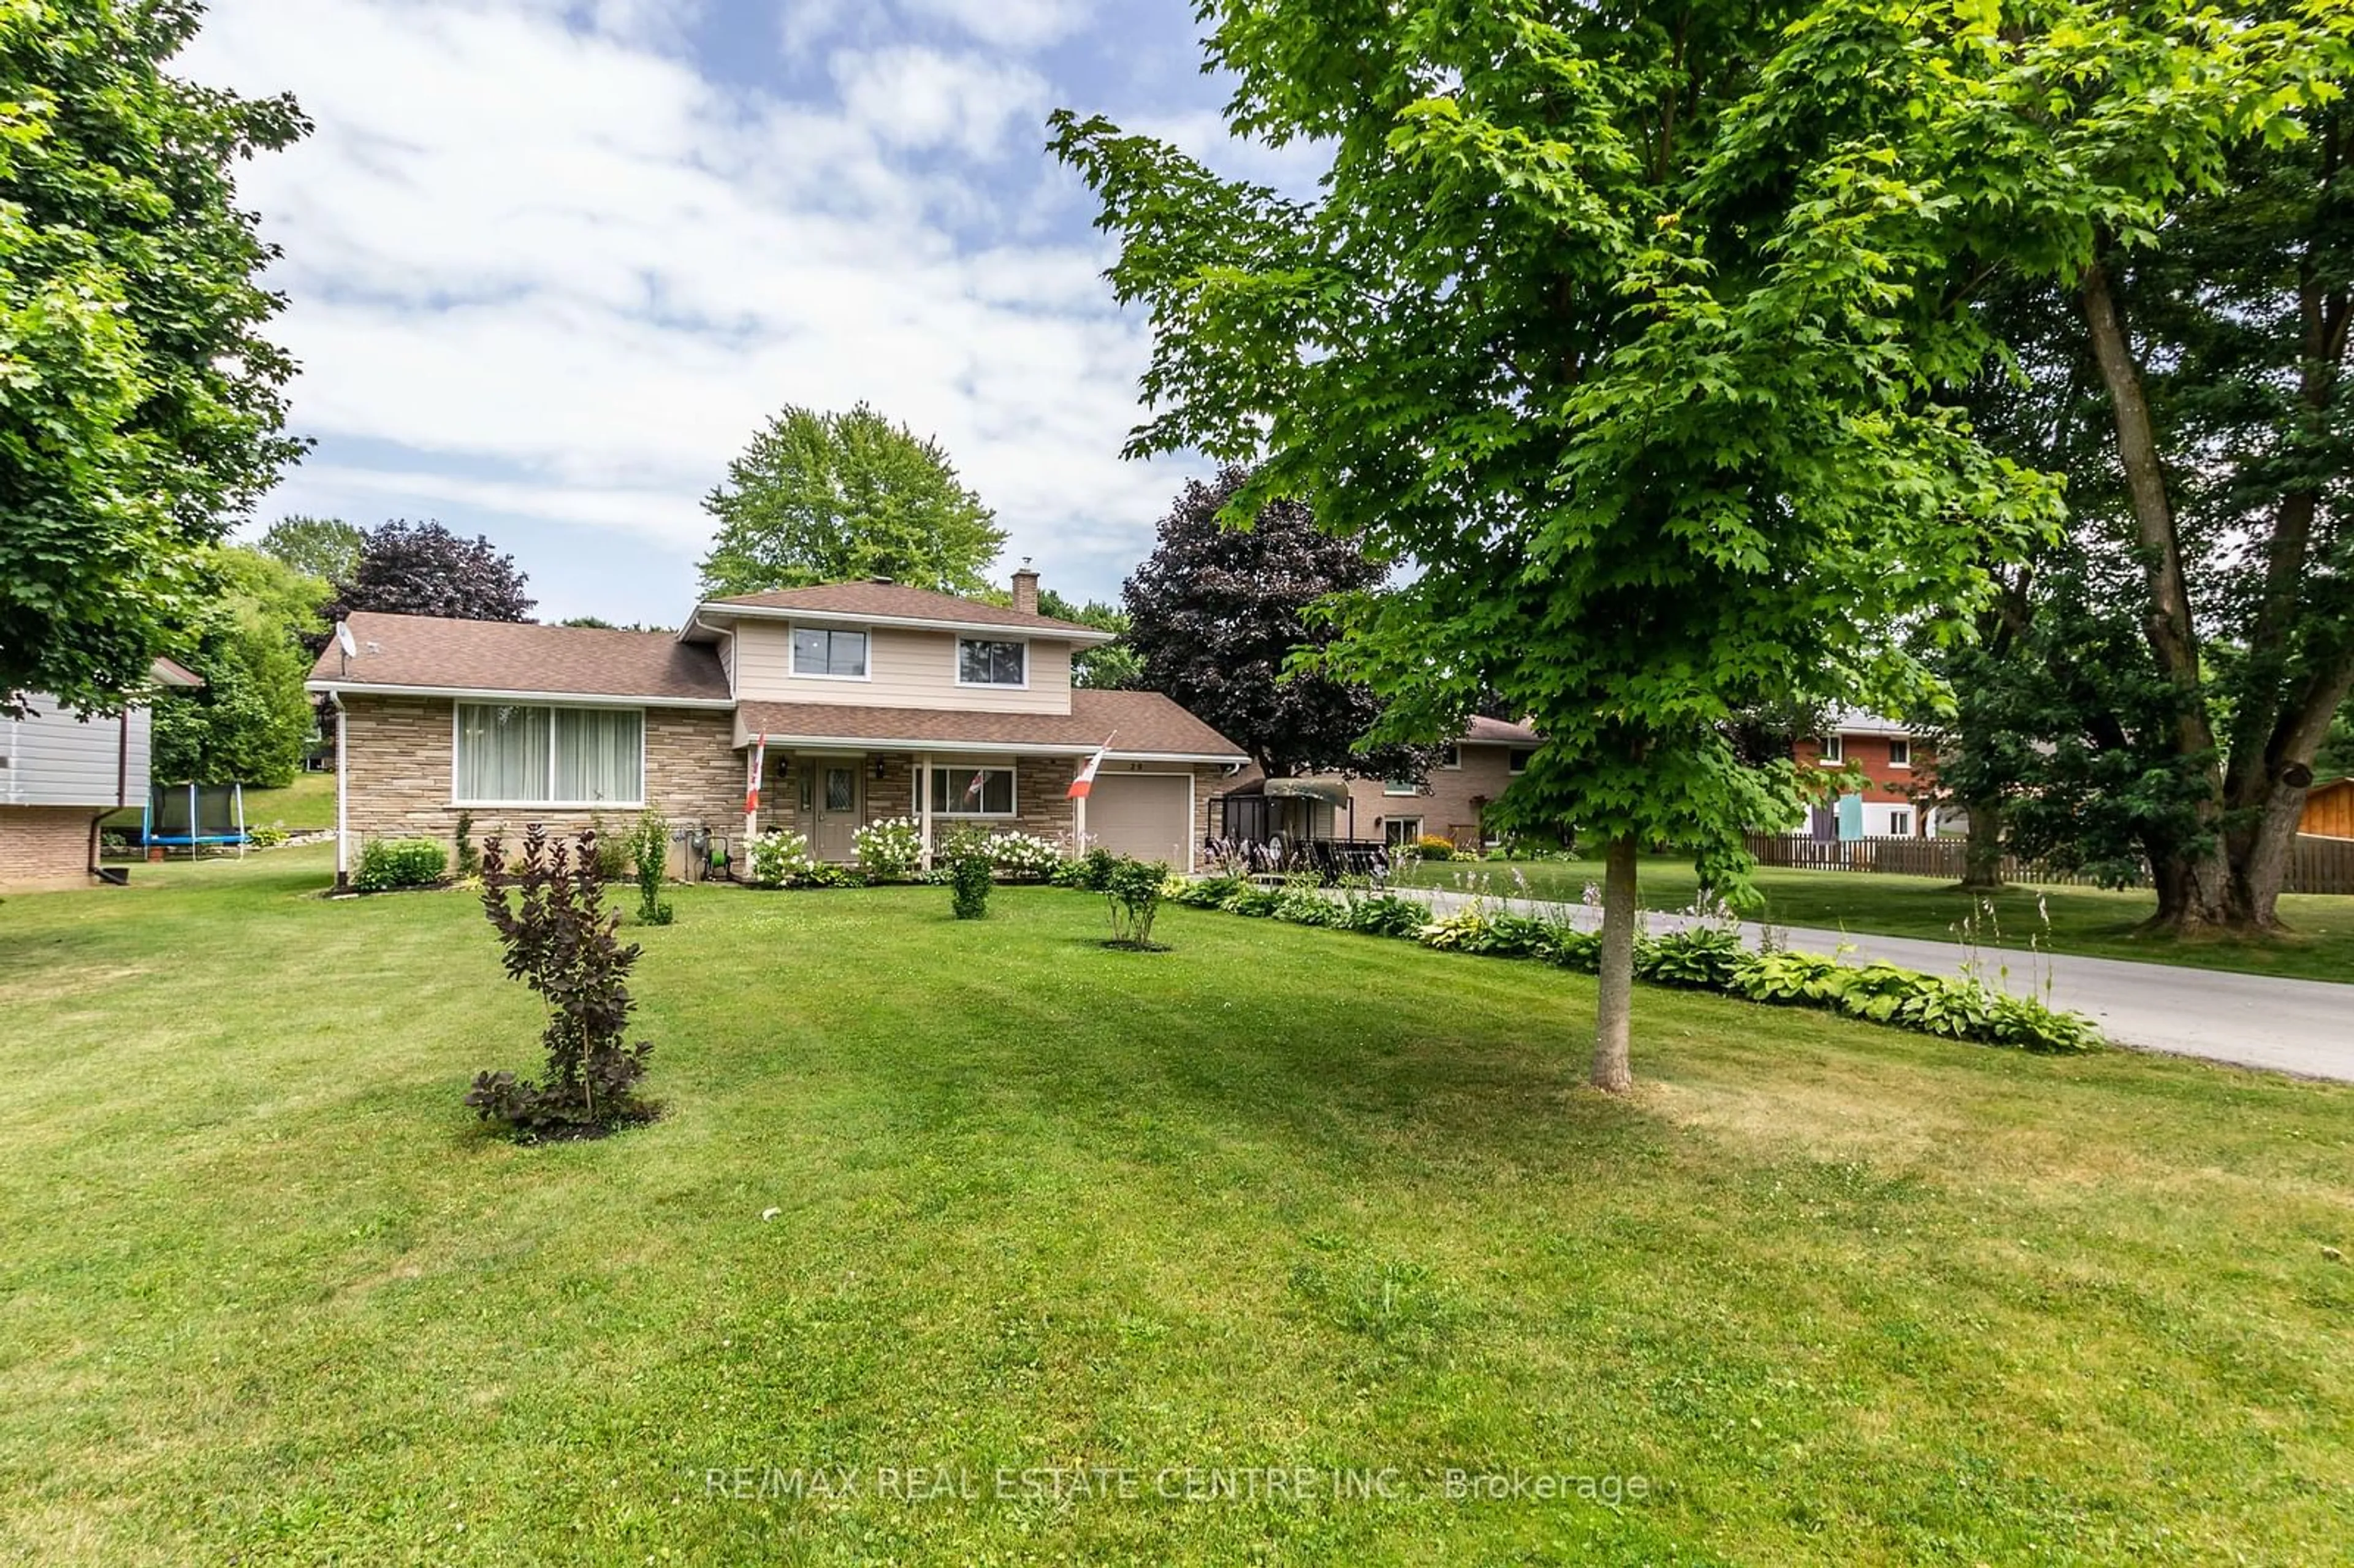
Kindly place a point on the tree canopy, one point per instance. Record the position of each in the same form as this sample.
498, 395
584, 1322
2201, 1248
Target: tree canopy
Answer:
250, 721
831, 497
141, 407
1626, 326
327, 549
1113, 666
423, 568
1217, 617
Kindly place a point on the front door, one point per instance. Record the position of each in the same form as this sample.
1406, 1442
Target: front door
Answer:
836, 797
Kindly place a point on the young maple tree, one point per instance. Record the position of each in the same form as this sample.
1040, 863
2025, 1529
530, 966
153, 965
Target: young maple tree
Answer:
1624, 325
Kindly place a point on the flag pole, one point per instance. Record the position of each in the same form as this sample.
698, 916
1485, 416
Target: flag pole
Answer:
1080, 785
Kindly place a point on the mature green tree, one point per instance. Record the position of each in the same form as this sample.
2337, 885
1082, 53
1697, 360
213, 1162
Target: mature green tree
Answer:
327, 549
1113, 666
826, 497
250, 721
1621, 322
140, 407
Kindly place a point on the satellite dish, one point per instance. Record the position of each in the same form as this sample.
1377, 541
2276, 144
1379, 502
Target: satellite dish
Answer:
344, 638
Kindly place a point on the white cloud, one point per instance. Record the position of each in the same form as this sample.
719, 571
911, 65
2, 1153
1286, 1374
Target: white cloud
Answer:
1010, 24
920, 99
564, 276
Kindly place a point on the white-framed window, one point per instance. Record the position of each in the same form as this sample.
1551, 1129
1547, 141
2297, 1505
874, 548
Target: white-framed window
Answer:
990, 662
1900, 824
1450, 756
1834, 751
828, 654
1396, 831
965, 791
505, 754
1516, 760
1400, 786
1900, 753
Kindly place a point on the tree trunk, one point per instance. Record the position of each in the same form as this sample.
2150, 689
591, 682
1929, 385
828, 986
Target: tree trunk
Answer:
1982, 855
1613, 1007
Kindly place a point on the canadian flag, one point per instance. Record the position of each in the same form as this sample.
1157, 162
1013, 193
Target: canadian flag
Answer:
1086, 775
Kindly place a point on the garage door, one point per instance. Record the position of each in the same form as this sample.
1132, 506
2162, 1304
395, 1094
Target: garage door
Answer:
1142, 814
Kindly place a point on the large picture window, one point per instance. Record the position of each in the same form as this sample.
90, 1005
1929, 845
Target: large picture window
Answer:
818, 650
513, 755
972, 791
983, 662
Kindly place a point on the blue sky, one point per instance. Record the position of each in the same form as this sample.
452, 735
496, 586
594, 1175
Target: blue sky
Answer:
549, 263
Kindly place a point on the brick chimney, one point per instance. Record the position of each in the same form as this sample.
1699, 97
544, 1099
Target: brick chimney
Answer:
1025, 589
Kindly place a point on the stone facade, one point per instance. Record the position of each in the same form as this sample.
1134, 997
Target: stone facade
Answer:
45, 846
401, 774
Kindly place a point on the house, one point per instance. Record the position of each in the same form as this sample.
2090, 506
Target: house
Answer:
1899, 774
62, 774
2329, 809
814, 709
1451, 802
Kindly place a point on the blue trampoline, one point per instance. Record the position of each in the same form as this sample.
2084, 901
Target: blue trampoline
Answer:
195, 817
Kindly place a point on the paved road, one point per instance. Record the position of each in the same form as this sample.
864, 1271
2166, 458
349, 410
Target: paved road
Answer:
2299, 1026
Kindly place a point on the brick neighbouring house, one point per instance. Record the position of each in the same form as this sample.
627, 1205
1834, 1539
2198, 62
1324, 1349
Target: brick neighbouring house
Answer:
62, 774
834, 701
1899, 774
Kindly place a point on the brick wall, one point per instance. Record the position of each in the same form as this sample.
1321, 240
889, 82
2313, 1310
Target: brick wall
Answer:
401, 774
1884, 783
45, 846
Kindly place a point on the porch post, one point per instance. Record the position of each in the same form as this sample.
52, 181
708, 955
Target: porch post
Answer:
923, 800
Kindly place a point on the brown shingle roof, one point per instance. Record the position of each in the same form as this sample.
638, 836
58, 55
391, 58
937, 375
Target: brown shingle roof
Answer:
1135, 722
893, 600
437, 652
1482, 730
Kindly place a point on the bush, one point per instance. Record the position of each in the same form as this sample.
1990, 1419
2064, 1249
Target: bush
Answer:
889, 851
386, 863
469, 858
270, 835
970, 873
1432, 846
1210, 892
780, 858
1132, 893
1024, 857
559, 941
1300, 902
649, 847
612, 852
1258, 903
1384, 915
1090, 873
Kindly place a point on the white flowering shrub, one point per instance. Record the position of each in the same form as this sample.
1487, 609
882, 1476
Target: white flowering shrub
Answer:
780, 858
1020, 854
890, 850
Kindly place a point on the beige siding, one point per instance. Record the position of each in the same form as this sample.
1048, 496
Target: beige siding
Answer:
906, 669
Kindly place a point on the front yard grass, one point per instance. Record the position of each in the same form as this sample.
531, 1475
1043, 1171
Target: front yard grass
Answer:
1277, 1198
2088, 920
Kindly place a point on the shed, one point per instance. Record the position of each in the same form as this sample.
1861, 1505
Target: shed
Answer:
2329, 811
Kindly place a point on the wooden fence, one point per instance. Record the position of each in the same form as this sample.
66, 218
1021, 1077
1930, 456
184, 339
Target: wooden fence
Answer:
2317, 865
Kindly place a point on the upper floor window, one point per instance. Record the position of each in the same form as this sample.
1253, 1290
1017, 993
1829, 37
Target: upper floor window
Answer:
1400, 786
1834, 751
511, 756
837, 655
1516, 760
984, 663
1899, 754
1450, 756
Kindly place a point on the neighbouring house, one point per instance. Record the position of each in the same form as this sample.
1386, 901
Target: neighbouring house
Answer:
62, 774
1899, 777
1452, 802
814, 709
2330, 810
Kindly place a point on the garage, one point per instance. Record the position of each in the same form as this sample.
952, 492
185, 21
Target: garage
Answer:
1147, 815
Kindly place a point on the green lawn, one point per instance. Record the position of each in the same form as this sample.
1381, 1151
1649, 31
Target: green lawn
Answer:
2060, 920
1278, 1198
